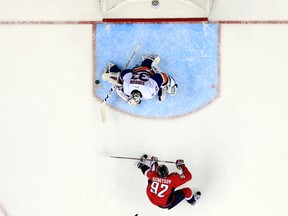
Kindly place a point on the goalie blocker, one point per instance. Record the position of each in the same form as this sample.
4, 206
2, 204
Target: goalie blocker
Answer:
142, 82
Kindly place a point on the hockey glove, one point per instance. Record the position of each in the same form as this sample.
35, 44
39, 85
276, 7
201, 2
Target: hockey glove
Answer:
179, 163
153, 160
142, 160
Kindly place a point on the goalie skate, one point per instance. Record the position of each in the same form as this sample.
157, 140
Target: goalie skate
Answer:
162, 94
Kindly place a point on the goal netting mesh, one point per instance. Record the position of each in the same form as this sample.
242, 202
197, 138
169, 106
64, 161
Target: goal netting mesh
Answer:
155, 9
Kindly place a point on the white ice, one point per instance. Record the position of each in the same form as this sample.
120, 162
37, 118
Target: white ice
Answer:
52, 140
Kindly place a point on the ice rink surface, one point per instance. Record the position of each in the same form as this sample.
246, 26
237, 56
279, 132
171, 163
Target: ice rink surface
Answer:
53, 143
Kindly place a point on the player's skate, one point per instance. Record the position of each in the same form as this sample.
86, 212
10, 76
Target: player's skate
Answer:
111, 73
142, 161
195, 198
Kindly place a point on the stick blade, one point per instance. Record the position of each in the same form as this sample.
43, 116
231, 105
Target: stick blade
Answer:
103, 114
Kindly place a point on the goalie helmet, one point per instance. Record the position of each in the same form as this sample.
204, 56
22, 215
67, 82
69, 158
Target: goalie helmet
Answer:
162, 171
135, 98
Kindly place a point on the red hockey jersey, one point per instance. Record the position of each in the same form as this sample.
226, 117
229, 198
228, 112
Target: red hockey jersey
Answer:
159, 189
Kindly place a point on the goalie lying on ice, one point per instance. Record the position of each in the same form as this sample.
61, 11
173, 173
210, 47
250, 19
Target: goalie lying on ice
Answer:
141, 82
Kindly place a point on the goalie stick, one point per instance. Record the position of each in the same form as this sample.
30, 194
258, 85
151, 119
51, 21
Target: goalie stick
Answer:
112, 89
133, 158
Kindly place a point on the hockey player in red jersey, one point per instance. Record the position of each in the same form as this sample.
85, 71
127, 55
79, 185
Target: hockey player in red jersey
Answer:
161, 188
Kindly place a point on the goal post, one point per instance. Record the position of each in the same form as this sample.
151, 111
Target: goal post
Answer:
155, 10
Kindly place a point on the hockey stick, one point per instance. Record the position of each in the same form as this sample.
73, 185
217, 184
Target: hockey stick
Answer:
112, 89
132, 158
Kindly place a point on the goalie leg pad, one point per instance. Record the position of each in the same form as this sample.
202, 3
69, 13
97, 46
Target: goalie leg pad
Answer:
171, 86
172, 90
150, 60
121, 94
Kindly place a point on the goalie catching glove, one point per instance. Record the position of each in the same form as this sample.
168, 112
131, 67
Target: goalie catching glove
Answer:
111, 73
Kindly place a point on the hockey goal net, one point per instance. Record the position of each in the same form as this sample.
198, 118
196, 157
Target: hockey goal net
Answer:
155, 10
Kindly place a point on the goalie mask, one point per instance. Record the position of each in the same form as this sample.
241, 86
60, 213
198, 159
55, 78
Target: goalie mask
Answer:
135, 98
162, 171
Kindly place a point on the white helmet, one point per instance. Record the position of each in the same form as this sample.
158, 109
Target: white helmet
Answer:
135, 98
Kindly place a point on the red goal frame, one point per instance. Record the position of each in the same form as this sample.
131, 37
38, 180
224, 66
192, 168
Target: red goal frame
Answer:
154, 20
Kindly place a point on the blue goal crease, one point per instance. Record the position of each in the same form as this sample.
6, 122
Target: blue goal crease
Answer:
188, 52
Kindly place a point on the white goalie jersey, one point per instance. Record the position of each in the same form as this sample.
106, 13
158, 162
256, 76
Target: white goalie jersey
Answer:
142, 82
